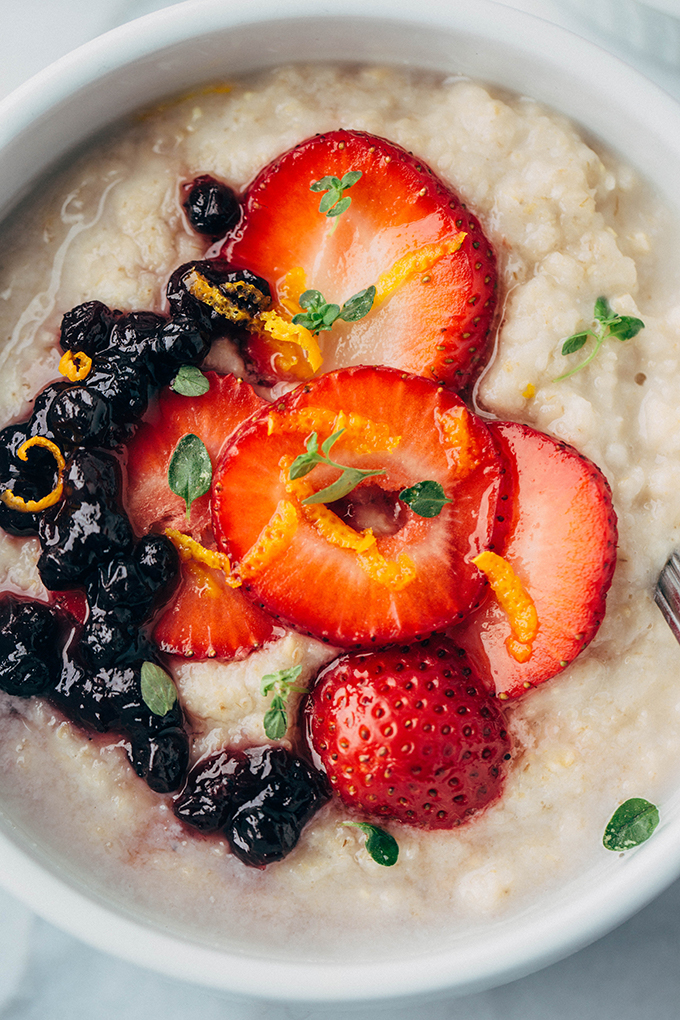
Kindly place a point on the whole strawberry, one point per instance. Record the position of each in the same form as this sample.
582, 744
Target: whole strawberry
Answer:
410, 733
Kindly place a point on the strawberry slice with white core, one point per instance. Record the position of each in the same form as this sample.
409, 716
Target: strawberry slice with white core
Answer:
561, 547
366, 568
404, 232
206, 618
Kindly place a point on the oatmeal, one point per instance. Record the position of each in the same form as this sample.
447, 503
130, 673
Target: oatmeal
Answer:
568, 225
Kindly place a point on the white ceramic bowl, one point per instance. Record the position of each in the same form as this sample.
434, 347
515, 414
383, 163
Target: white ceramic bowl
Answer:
191, 43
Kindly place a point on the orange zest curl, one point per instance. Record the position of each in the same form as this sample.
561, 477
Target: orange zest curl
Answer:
515, 602
414, 262
457, 439
191, 550
75, 365
364, 434
33, 506
395, 575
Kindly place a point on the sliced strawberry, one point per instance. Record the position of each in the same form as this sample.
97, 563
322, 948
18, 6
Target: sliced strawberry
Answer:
150, 502
417, 576
410, 733
561, 545
206, 617
432, 319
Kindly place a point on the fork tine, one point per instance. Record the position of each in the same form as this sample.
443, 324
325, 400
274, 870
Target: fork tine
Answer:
667, 593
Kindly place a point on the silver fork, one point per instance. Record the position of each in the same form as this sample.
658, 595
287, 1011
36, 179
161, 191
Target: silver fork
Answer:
667, 593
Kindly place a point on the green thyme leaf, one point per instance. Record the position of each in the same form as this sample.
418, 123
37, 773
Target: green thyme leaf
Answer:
625, 327
158, 689
279, 681
608, 324
342, 206
342, 486
319, 315
602, 310
311, 299
335, 202
425, 498
382, 846
348, 480
631, 824
304, 463
190, 470
275, 719
280, 685
358, 305
325, 184
574, 343
329, 443
190, 382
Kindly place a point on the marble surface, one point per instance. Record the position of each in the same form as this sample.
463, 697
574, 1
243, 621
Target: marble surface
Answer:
632, 972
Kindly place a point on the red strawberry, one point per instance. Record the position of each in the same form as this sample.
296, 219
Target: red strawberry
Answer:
562, 546
212, 417
206, 617
297, 560
434, 320
410, 734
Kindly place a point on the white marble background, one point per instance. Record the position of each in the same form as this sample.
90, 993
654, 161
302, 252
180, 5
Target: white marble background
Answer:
633, 973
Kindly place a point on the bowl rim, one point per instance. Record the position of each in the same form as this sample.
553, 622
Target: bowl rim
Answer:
644, 872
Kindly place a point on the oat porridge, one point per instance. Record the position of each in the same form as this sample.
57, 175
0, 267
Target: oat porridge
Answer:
568, 226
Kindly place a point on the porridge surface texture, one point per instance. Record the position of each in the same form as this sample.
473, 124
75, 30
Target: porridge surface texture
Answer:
569, 224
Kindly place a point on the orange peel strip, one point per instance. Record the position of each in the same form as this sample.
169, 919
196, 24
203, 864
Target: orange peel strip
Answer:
366, 434
75, 365
396, 575
419, 261
324, 521
287, 332
33, 506
274, 538
459, 444
514, 600
294, 283
215, 297
189, 549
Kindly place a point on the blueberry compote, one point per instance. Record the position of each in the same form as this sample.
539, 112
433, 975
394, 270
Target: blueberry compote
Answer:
260, 799
61, 479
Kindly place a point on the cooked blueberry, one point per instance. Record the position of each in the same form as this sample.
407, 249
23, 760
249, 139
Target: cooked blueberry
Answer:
31, 479
261, 798
211, 207
105, 641
37, 424
78, 415
123, 383
158, 561
87, 327
214, 290
30, 640
133, 334
161, 758
119, 588
91, 474
182, 341
206, 801
76, 538
109, 699
278, 795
